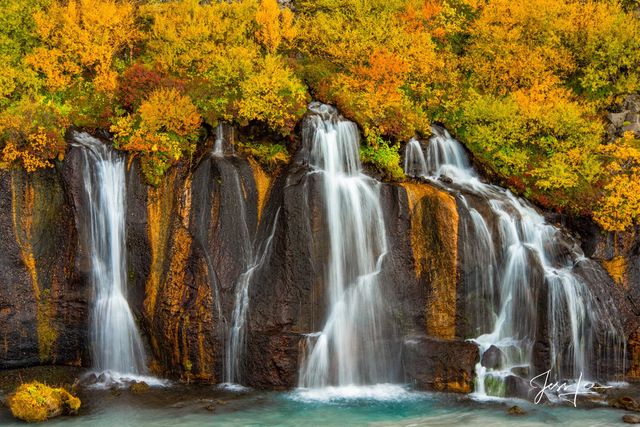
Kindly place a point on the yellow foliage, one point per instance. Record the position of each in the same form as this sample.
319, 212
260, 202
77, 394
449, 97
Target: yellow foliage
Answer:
374, 60
217, 47
165, 126
168, 110
35, 402
519, 45
262, 96
192, 39
274, 25
83, 35
619, 207
33, 133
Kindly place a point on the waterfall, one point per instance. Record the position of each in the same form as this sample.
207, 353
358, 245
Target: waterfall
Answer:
514, 264
217, 146
350, 349
237, 342
415, 164
116, 346
224, 140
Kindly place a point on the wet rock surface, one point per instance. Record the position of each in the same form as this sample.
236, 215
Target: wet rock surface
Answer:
440, 365
189, 239
43, 299
492, 358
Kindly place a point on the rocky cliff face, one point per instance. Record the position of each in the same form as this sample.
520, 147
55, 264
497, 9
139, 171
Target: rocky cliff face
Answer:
188, 241
43, 303
619, 254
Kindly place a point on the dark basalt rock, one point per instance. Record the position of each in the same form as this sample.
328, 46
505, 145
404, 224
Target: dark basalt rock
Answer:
517, 387
273, 361
492, 358
439, 365
287, 294
190, 239
405, 294
43, 302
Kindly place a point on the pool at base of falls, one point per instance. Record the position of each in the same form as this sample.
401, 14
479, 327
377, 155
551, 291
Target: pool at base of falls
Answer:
379, 405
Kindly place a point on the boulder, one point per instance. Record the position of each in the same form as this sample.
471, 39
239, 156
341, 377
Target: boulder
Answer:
35, 402
632, 103
617, 119
625, 402
517, 387
140, 387
631, 419
516, 410
492, 358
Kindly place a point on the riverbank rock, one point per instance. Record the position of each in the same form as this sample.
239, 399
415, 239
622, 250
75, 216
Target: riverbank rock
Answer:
516, 387
516, 410
631, 419
35, 402
627, 403
139, 387
440, 365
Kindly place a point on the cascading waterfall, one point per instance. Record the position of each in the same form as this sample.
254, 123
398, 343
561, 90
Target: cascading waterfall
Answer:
116, 345
218, 149
515, 258
224, 140
235, 331
236, 345
350, 349
414, 162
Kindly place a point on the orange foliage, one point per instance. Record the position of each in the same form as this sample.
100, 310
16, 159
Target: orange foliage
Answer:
33, 133
83, 36
165, 126
619, 208
274, 25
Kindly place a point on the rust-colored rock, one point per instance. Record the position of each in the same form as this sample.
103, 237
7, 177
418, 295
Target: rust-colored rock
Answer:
434, 239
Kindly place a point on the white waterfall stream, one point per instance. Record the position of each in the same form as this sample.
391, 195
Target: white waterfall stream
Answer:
237, 342
116, 345
350, 349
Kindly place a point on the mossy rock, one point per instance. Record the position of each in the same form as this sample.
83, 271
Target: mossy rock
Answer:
35, 402
139, 387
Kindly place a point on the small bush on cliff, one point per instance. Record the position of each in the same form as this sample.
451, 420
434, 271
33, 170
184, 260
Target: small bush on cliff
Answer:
385, 158
163, 129
35, 402
270, 156
33, 134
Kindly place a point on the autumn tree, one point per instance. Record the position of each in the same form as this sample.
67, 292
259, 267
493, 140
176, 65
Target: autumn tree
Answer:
32, 132
619, 208
217, 48
82, 39
370, 61
275, 25
163, 129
